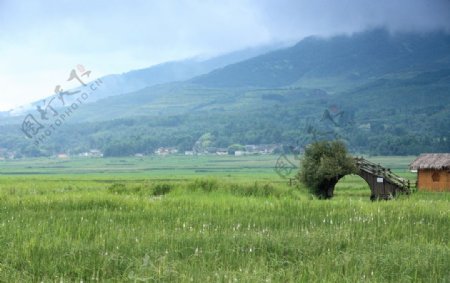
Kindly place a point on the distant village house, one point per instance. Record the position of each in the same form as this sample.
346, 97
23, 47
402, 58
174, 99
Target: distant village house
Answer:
166, 151
92, 153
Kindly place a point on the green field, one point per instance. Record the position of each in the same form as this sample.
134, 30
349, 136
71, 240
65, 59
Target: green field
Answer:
209, 219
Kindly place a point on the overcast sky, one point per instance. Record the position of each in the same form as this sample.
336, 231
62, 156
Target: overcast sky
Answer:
41, 41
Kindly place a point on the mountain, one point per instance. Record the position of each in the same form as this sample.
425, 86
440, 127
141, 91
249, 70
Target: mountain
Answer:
347, 60
382, 93
174, 71
365, 67
159, 74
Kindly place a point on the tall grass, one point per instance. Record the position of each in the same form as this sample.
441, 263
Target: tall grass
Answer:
217, 230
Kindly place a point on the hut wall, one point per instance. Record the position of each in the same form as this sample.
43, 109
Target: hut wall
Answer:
434, 180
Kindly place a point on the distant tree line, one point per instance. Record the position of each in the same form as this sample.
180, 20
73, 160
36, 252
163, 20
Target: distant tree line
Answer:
393, 134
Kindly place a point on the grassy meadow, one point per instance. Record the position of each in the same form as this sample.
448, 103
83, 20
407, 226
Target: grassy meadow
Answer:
210, 219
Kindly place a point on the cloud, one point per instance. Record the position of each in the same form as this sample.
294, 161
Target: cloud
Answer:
327, 17
41, 40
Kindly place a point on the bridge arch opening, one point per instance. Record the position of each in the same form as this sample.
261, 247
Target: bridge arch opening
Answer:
353, 185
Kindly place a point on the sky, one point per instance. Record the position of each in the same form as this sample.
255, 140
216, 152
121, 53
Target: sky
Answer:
41, 41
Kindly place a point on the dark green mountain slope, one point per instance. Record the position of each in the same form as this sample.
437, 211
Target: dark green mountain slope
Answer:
354, 59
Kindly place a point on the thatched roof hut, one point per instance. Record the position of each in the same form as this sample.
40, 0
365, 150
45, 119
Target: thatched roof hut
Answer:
433, 171
436, 161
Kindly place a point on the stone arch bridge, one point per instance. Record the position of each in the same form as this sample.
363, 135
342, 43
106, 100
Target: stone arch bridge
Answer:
383, 183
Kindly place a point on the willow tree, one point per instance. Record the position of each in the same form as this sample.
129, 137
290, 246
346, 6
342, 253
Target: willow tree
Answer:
323, 164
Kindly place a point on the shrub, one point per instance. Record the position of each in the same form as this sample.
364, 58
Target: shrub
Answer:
323, 164
142, 190
207, 185
117, 188
162, 189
